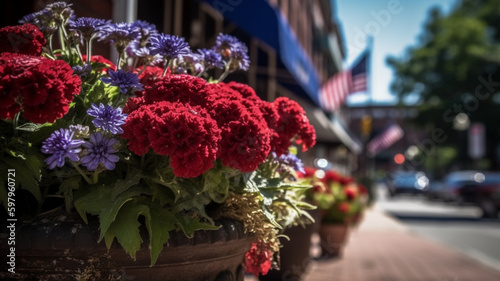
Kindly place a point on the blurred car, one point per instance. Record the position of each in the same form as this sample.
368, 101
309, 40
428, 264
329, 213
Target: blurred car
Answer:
408, 182
482, 190
448, 189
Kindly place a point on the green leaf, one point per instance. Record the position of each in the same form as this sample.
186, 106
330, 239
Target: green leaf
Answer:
126, 227
24, 176
190, 225
216, 185
159, 222
133, 178
93, 201
108, 214
30, 127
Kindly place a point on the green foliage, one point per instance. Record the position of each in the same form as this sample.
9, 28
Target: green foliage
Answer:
455, 68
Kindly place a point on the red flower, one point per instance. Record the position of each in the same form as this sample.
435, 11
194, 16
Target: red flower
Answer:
346, 180
245, 139
293, 125
150, 74
351, 192
42, 88
258, 260
245, 91
100, 59
187, 134
331, 177
344, 207
309, 172
181, 88
24, 39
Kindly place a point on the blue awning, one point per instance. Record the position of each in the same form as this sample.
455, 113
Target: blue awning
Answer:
261, 20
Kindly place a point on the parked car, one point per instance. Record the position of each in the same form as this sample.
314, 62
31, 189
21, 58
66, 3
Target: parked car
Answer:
484, 192
447, 190
407, 182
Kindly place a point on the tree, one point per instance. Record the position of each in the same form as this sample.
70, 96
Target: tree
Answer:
455, 68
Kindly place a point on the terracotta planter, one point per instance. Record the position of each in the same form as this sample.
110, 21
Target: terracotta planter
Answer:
294, 255
69, 251
333, 238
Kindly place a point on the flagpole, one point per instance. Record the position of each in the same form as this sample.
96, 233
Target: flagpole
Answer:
370, 159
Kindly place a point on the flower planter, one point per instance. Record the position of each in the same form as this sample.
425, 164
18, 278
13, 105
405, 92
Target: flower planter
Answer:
294, 255
333, 238
68, 251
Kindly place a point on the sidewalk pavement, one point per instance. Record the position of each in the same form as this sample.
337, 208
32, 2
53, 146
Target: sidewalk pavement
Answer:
382, 249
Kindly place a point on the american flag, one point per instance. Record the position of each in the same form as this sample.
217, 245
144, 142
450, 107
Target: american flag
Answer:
335, 91
385, 139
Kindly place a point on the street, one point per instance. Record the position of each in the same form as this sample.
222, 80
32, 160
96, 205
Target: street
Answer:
459, 227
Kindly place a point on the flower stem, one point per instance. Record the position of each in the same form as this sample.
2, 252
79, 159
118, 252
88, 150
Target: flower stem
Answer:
88, 51
15, 122
81, 172
166, 65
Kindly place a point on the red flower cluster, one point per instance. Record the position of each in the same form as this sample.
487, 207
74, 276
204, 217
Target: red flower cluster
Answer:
187, 134
247, 125
24, 39
292, 125
41, 88
258, 260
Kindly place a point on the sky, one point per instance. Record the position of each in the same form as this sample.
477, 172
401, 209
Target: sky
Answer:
394, 26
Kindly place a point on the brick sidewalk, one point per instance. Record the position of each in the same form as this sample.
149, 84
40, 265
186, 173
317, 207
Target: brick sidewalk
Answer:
384, 250
381, 249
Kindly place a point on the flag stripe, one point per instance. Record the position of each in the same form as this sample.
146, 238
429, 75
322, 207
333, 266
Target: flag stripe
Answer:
384, 140
335, 91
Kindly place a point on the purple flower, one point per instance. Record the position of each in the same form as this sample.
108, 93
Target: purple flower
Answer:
239, 57
30, 18
120, 34
61, 145
100, 150
224, 41
128, 82
62, 11
146, 29
290, 160
87, 27
82, 70
211, 58
168, 46
108, 118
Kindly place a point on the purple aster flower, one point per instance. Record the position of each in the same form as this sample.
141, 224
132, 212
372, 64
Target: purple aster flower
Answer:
211, 58
62, 11
168, 46
61, 145
100, 150
87, 27
108, 118
146, 29
239, 57
120, 34
290, 160
82, 70
128, 82
30, 18
224, 41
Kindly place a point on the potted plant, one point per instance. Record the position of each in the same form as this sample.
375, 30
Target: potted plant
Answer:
337, 218
151, 156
